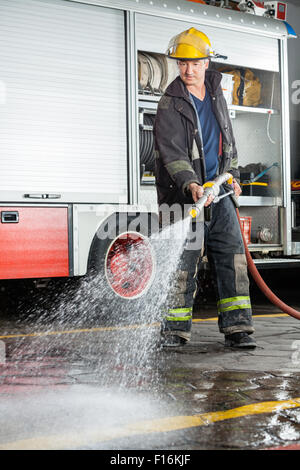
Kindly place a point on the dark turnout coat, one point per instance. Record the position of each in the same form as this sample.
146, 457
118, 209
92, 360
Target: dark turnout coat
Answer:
179, 152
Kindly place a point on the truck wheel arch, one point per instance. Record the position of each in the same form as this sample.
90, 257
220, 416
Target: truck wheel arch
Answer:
128, 276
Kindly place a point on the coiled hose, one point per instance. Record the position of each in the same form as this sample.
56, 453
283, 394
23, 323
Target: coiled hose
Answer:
261, 283
147, 144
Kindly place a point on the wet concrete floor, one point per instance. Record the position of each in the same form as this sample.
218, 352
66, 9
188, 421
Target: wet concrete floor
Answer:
67, 384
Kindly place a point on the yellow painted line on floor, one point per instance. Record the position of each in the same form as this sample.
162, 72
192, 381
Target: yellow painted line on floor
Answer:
83, 330
168, 424
117, 328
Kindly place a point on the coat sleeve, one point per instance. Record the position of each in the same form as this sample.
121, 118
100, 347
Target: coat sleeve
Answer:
171, 144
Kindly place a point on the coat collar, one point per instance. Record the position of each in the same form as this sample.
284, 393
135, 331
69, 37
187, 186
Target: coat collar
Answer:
212, 82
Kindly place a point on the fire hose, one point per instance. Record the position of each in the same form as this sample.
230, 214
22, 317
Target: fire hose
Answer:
261, 283
213, 188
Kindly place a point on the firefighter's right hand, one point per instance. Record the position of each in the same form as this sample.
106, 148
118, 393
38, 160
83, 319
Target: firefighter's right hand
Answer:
197, 192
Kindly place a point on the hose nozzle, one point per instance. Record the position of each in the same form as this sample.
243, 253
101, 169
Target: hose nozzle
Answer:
210, 188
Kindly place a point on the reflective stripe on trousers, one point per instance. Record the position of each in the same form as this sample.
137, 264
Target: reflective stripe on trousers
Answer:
179, 320
179, 314
234, 303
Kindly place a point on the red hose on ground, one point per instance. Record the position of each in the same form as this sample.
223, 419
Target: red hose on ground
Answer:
261, 283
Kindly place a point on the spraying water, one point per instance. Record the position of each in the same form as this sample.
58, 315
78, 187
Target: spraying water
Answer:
114, 366
129, 333
131, 349
98, 381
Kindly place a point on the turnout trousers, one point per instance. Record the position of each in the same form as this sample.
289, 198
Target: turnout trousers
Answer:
224, 248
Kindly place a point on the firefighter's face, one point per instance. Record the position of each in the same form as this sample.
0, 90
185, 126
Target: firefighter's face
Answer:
192, 72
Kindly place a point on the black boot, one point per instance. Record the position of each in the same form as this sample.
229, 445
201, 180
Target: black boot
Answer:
171, 341
240, 340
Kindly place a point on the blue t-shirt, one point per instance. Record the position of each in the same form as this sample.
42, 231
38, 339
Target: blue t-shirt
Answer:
210, 134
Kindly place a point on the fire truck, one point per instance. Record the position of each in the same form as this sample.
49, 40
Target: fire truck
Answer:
270, 9
79, 86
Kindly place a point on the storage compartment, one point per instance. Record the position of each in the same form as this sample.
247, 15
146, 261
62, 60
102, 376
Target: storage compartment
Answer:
265, 227
256, 188
257, 119
252, 87
34, 242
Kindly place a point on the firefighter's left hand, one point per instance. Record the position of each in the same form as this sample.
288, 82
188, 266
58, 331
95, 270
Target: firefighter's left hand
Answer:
236, 188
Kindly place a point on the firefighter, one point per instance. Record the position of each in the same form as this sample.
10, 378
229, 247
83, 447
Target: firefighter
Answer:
194, 143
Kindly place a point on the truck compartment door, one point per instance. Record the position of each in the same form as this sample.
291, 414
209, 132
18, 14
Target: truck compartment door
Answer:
63, 126
33, 242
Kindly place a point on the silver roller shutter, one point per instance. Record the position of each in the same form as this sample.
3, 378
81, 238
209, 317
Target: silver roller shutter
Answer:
62, 101
242, 49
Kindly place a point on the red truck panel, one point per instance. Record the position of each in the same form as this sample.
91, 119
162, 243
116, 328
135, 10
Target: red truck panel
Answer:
36, 245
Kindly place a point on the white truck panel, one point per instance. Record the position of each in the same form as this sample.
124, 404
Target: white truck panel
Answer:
63, 101
257, 51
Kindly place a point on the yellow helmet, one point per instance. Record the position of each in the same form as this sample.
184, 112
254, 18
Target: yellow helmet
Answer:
190, 44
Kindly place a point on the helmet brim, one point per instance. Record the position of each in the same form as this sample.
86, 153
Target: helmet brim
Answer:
188, 58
